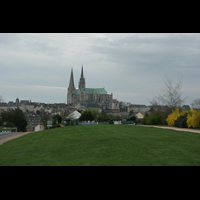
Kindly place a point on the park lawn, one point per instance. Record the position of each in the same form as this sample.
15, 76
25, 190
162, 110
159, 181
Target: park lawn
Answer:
103, 145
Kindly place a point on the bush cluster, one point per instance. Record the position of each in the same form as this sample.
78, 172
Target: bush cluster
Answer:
172, 117
181, 121
193, 119
154, 119
184, 119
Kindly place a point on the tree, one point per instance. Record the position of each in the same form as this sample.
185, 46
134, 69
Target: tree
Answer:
65, 113
38, 112
9, 124
44, 119
171, 95
1, 99
196, 104
90, 115
132, 118
95, 113
16, 117
20, 120
57, 119
86, 116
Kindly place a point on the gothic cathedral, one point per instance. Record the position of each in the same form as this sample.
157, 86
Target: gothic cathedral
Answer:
85, 95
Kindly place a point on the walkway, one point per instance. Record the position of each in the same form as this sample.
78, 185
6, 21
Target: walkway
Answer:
174, 128
3, 140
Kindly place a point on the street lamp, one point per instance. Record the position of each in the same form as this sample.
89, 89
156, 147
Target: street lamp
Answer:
96, 118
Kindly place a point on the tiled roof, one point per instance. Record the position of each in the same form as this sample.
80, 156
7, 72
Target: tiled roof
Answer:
113, 100
92, 105
93, 91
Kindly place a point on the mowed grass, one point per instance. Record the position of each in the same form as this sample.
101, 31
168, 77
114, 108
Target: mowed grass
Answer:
103, 145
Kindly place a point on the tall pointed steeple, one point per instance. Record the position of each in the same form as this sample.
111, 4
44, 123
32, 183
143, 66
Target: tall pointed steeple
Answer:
82, 81
82, 72
71, 91
71, 82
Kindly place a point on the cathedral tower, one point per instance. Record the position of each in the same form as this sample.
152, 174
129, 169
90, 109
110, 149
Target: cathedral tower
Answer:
71, 91
82, 81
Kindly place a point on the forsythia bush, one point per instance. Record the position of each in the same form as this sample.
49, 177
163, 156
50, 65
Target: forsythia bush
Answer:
172, 117
193, 119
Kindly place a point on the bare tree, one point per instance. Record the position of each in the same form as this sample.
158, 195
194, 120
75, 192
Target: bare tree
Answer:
171, 95
1, 99
196, 104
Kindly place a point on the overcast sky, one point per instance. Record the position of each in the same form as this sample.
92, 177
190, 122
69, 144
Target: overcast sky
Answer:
132, 66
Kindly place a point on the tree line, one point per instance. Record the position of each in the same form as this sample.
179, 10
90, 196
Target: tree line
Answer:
14, 118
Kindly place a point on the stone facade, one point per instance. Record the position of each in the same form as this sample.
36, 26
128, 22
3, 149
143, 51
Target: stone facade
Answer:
138, 108
85, 95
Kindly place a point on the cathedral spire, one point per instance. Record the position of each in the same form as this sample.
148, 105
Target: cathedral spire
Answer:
82, 81
82, 72
71, 82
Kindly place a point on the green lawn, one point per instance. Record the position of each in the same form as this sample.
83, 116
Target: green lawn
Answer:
1, 128
103, 145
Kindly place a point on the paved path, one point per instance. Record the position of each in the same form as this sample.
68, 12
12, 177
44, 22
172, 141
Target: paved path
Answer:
5, 139
6, 134
174, 128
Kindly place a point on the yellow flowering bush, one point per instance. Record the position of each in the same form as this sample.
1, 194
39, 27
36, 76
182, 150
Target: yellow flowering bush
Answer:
193, 119
174, 116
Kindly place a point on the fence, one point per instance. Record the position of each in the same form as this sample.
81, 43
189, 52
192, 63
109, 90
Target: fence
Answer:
90, 123
127, 122
111, 122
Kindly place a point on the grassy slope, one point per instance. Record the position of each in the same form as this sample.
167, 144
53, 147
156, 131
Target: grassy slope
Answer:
103, 145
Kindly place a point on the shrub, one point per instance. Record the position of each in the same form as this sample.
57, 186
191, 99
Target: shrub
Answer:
172, 117
9, 124
164, 116
181, 121
154, 119
55, 126
133, 118
144, 121
193, 119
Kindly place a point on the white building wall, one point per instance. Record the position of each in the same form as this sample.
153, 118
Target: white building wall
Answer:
139, 115
39, 128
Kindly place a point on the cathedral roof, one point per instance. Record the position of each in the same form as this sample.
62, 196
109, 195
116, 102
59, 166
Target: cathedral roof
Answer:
93, 91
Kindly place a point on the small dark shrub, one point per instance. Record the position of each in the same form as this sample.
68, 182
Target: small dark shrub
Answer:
181, 122
9, 124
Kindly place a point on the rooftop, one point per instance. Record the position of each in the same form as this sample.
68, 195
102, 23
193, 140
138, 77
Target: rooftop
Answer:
93, 91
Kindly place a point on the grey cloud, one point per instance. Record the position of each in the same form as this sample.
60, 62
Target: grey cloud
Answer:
131, 65
9, 38
168, 50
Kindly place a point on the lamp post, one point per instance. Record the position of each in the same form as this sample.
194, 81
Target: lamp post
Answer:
4, 125
96, 118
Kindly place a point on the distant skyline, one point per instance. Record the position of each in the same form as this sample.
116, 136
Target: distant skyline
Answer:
132, 66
